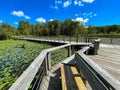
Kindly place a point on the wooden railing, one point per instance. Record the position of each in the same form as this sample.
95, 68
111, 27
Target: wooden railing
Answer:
41, 63
105, 40
63, 39
98, 78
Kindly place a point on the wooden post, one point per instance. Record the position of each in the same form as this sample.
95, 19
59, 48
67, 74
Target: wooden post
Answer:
49, 60
69, 51
70, 39
96, 46
111, 40
46, 66
63, 39
77, 39
86, 39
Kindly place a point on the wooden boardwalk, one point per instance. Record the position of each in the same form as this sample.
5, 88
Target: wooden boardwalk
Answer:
53, 80
109, 59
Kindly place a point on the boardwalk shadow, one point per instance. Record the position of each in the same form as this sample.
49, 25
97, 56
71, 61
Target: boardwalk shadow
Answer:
55, 81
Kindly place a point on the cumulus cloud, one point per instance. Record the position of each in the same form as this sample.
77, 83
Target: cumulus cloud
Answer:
40, 20
16, 23
82, 20
20, 14
67, 3
88, 1
79, 3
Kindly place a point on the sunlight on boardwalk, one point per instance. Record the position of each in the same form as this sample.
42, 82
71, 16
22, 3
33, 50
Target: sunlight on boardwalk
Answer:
109, 59
109, 46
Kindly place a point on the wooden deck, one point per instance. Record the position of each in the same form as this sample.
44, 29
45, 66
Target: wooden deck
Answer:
109, 59
53, 80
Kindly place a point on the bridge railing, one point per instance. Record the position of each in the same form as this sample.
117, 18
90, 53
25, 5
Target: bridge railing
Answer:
64, 39
89, 39
98, 78
33, 75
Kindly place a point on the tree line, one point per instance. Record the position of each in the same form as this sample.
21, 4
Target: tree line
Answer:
56, 28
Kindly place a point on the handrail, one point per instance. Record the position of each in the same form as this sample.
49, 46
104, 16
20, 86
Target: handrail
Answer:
24, 81
102, 78
98, 78
87, 39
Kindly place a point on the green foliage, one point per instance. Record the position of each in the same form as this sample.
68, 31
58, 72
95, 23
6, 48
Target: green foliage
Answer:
14, 59
7, 31
56, 28
58, 55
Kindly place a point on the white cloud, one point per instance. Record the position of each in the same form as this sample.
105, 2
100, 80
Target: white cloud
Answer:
16, 23
67, 3
82, 20
1, 21
27, 17
40, 20
95, 15
76, 15
58, 2
54, 7
79, 3
90, 14
84, 13
20, 14
51, 20
88, 1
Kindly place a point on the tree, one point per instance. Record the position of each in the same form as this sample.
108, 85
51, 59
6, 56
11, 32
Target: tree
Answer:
38, 30
24, 28
54, 27
91, 30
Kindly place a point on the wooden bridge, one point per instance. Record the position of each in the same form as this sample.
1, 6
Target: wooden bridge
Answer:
94, 67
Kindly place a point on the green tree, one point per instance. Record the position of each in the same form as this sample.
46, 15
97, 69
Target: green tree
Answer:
54, 27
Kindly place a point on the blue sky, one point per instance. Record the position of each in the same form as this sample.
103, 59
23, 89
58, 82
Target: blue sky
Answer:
95, 12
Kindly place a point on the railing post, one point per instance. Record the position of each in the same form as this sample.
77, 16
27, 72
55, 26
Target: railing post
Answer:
96, 46
70, 39
86, 39
111, 40
49, 60
77, 39
69, 51
46, 65
64, 39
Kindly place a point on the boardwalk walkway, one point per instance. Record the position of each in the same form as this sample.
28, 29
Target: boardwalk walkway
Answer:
53, 80
109, 59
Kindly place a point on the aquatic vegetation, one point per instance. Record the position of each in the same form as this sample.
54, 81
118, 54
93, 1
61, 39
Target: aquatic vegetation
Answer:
15, 57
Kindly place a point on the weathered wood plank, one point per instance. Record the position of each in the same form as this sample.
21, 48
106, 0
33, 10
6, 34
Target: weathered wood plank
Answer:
72, 78
78, 79
64, 85
113, 82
